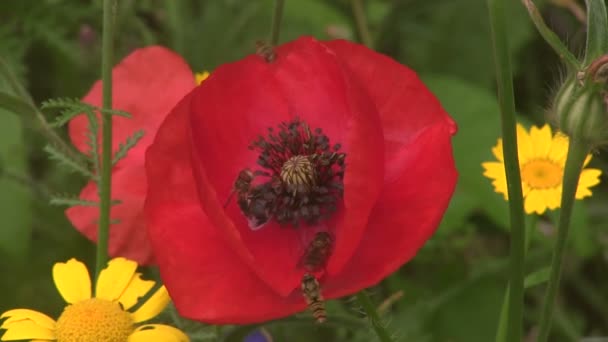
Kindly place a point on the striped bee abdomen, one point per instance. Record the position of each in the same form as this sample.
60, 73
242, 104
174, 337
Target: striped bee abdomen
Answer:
312, 293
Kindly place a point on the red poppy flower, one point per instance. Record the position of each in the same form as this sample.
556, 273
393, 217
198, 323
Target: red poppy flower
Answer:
147, 84
330, 139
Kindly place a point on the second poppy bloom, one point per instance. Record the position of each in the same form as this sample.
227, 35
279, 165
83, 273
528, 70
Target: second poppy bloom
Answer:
147, 84
330, 165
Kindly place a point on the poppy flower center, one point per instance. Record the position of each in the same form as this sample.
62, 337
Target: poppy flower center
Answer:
94, 320
300, 179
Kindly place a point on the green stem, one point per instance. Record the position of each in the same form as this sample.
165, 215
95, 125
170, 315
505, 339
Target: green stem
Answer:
550, 37
370, 309
105, 190
361, 23
497, 10
276, 21
577, 152
501, 333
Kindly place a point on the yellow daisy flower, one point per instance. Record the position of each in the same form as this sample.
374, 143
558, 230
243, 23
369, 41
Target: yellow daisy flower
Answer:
102, 318
542, 157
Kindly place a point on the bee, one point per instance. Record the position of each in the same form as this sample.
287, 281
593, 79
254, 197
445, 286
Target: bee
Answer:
317, 253
312, 293
265, 51
251, 200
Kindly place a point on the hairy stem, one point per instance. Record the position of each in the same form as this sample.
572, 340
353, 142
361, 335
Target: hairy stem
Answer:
105, 190
497, 9
276, 21
577, 152
361, 23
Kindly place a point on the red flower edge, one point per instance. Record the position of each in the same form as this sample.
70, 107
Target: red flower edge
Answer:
147, 83
399, 179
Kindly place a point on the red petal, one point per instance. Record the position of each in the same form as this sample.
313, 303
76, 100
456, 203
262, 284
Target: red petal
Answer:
128, 238
147, 84
307, 82
409, 210
206, 279
420, 174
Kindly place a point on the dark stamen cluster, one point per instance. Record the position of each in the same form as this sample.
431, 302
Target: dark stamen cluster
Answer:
304, 176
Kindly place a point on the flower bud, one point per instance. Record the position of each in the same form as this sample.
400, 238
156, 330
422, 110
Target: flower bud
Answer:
581, 112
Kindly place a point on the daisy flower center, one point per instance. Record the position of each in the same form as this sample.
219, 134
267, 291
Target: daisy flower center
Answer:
94, 320
300, 180
542, 174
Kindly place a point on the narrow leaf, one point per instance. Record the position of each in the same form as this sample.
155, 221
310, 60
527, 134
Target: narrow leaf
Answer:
124, 148
537, 277
551, 38
72, 201
114, 112
16, 105
597, 30
69, 163
66, 115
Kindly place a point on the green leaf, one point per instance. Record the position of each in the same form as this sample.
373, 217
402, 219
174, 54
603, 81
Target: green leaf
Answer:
72, 201
446, 37
15, 105
597, 30
66, 161
537, 277
475, 110
124, 148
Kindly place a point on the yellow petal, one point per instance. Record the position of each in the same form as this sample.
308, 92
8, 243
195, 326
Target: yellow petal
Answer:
135, 290
587, 160
589, 178
496, 172
553, 197
72, 281
559, 149
199, 77
27, 330
19, 315
535, 203
541, 139
497, 151
153, 306
114, 279
158, 332
525, 150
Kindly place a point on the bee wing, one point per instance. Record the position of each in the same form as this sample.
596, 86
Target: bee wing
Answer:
255, 223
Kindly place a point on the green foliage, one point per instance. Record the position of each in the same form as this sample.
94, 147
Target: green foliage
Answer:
15, 195
124, 148
476, 112
69, 163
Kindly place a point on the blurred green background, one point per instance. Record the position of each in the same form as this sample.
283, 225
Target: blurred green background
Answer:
453, 290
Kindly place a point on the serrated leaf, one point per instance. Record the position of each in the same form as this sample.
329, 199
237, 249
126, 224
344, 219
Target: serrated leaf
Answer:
72, 201
72, 165
597, 30
60, 103
113, 112
124, 148
66, 115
